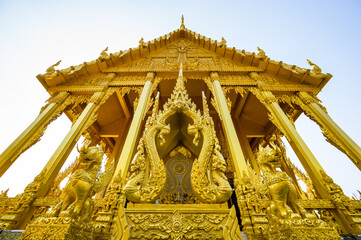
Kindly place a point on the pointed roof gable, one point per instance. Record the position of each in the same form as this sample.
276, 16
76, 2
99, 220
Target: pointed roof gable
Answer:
234, 60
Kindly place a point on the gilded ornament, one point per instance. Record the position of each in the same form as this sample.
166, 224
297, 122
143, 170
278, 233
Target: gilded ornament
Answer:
10, 218
222, 43
142, 44
213, 188
261, 53
278, 185
51, 70
182, 27
182, 140
104, 55
146, 150
316, 69
83, 184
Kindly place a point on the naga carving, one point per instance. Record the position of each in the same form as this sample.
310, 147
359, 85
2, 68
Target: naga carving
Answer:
83, 184
136, 189
213, 189
148, 176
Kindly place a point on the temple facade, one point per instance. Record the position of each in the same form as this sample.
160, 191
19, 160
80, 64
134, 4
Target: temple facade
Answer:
189, 130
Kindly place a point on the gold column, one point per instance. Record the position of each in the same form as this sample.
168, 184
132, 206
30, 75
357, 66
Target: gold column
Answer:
121, 230
55, 163
246, 147
130, 142
33, 132
308, 160
121, 139
238, 158
304, 154
334, 134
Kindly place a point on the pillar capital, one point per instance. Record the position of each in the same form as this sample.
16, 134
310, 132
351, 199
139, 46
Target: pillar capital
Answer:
265, 97
254, 75
59, 98
307, 98
269, 97
150, 76
99, 98
214, 76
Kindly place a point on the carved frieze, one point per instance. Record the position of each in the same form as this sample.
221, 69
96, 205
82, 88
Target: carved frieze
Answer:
203, 222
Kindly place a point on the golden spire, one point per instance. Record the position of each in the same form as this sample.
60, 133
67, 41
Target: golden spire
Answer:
182, 27
179, 92
179, 86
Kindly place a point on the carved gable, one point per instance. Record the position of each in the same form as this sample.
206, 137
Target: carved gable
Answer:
168, 58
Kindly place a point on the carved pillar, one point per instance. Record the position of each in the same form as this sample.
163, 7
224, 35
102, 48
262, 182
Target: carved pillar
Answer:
120, 225
308, 160
121, 139
23, 211
229, 129
86, 118
333, 133
246, 147
130, 142
33, 132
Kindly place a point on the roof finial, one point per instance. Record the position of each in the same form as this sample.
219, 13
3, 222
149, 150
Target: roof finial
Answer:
182, 27
316, 69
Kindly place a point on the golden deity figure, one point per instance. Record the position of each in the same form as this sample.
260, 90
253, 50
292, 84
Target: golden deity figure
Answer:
175, 166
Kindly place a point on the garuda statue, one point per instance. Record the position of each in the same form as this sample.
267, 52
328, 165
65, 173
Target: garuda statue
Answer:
83, 184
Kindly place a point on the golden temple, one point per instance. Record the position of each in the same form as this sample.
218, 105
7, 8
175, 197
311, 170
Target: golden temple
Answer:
189, 130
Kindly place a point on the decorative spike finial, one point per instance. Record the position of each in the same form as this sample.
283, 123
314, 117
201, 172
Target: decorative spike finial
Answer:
180, 81
181, 70
205, 105
182, 27
179, 91
156, 105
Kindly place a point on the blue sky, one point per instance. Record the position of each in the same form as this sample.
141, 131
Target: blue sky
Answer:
36, 34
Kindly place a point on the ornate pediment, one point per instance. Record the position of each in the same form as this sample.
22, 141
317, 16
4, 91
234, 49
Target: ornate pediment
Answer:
192, 56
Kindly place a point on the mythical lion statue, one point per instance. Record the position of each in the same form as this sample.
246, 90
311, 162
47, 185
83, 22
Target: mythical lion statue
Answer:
278, 185
83, 184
